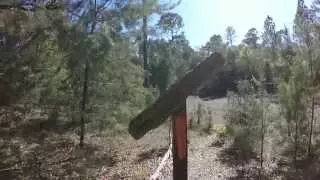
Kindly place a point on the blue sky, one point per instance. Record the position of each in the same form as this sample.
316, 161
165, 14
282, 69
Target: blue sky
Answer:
203, 18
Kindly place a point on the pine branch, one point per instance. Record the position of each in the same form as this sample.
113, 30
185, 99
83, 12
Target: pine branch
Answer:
13, 6
30, 6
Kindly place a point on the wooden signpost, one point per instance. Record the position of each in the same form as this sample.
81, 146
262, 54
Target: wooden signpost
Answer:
173, 103
180, 145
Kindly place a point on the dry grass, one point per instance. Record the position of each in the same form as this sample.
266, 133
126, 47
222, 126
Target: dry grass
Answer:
30, 152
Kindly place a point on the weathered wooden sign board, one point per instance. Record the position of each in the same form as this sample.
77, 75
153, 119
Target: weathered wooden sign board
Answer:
173, 103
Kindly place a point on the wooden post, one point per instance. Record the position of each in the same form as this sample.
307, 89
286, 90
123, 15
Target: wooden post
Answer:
180, 146
173, 103
175, 97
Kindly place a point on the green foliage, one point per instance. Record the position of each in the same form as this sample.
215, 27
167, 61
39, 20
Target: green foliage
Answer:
291, 93
116, 92
269, 36
215, 44
170, 60
251, 38
45, 52
171, 23
246, 112
57, 57
22, 36
221, 131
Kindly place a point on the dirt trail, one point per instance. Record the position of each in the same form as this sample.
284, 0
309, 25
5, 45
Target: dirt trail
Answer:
203, 162
141, 158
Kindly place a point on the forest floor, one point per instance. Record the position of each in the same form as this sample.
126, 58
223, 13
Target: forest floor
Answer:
26, 152
209, 156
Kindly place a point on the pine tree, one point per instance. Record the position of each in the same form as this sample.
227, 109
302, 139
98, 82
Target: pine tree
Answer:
269, 37
251, 38
230, 35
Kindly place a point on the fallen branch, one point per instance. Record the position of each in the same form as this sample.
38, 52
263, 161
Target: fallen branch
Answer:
163, 162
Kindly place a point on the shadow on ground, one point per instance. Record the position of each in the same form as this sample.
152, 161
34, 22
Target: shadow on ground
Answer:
244, 163
44, 148
305, 169
247, 165
151, 154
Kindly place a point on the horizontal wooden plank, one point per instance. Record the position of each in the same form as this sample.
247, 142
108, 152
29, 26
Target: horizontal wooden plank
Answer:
175, 98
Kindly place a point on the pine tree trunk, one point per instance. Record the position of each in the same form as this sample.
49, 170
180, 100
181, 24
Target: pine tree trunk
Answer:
145, 47
210, 120
199, 114
311, 128
261, 147
288, 123
191, 123
73, 108
85, 84
295, 140
83, 103
312, 105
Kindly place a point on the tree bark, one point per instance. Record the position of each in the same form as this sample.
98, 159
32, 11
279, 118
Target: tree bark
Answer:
312, 105
288, 122
262, 145
199, 114
311, 129
85, 84
295, 140
83, 103
146, 82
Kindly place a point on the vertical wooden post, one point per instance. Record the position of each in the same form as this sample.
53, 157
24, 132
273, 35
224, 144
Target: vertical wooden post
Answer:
180, 146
